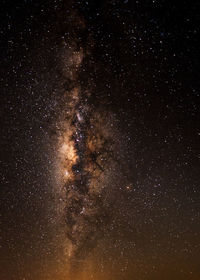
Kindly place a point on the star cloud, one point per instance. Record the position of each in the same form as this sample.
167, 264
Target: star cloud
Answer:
85, 157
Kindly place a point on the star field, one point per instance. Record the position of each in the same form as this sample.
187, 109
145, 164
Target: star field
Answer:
99, 140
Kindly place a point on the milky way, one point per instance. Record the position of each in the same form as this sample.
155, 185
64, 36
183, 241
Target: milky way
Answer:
86, 151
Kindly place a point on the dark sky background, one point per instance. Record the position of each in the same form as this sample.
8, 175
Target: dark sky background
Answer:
146, 57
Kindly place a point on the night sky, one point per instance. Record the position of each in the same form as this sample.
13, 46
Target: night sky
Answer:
99, 166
